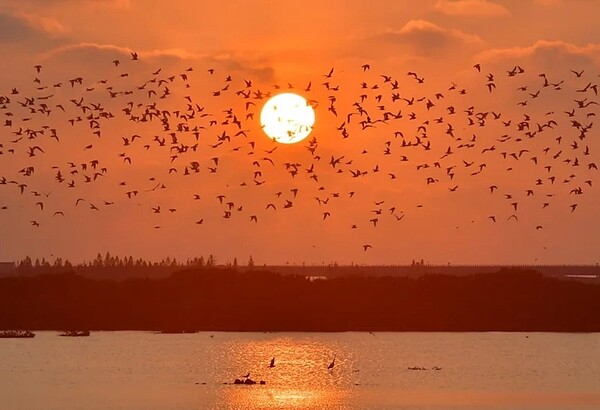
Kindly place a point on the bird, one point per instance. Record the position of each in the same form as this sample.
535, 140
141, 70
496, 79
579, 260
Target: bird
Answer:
330, 367
272, 363
578, 74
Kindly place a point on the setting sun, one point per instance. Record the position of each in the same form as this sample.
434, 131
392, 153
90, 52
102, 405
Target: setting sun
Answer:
287, 118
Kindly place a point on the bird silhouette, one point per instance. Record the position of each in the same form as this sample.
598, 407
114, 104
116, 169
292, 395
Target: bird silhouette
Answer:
332, 364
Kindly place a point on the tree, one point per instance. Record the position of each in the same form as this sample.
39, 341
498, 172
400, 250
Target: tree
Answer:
98, 261
26, 264
210, 262
108, 261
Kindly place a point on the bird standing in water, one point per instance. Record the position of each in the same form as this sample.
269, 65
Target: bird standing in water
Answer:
330, 367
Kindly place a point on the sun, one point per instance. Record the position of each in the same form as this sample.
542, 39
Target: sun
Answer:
287, 118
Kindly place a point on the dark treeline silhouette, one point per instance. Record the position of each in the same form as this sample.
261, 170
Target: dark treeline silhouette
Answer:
232, 300
112, 267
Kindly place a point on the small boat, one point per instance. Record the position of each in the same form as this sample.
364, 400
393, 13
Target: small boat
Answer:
75, 333
176, 332
16, 334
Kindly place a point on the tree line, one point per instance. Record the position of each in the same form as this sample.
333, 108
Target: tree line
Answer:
227, 299
108, 266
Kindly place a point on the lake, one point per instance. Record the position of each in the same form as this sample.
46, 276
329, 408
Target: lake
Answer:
144, 370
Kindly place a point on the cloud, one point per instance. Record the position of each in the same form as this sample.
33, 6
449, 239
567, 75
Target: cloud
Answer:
12, 29
470, 8
45, 24
546, 53
62, 3
548, 2
426, 37
32, 30
21, 27
260, 70
115, 3
103, 55
117, 51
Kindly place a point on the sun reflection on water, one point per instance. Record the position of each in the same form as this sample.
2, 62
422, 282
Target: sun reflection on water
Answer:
300, 377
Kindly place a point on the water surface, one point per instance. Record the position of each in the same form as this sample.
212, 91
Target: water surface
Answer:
143, 370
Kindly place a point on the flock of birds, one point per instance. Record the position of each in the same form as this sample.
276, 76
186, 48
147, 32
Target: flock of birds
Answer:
63, 143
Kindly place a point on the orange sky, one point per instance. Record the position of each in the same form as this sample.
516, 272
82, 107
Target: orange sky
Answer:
282, 44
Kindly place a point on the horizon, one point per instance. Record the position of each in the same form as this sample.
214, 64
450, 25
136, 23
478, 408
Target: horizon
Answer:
189, 260
243, 262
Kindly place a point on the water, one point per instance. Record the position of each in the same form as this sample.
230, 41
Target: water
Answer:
142, 370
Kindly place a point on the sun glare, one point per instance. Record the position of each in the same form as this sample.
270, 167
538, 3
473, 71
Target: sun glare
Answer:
287, 118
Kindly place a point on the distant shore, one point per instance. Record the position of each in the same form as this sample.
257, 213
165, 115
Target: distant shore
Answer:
212, 299
115, 268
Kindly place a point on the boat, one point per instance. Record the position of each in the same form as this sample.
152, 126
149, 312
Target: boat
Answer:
75, 333
176, 332
16, 334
